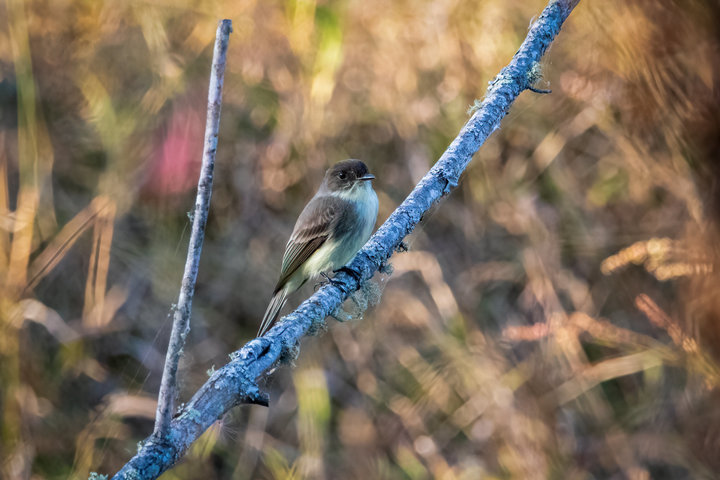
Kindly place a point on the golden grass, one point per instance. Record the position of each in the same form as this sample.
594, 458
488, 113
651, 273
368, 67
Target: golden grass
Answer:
555, 318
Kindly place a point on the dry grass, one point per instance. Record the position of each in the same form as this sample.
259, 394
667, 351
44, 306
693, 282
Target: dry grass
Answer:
555, 318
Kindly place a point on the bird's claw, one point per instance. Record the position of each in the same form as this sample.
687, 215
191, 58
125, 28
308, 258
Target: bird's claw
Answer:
330, 281
350, 271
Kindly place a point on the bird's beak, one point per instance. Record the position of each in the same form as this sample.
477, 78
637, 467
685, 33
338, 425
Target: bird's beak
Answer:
367, 176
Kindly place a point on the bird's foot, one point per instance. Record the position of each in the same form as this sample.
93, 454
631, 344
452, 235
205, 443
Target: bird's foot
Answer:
350, 271
330, 281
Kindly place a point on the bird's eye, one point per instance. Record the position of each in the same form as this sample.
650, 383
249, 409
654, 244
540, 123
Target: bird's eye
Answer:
342, 175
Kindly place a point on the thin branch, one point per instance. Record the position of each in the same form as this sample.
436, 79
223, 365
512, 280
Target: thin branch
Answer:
235, 383
539, 90
181, 318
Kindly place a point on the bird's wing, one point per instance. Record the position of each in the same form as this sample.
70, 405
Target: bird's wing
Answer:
312, 229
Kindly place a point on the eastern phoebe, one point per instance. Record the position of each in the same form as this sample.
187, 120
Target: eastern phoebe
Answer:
331, 229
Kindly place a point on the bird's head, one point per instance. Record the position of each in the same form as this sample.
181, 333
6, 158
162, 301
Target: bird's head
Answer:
346, 174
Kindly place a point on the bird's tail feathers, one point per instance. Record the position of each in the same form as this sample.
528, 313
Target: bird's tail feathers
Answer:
273, 311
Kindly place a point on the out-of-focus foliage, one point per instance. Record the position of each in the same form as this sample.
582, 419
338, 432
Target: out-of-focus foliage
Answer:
557, 317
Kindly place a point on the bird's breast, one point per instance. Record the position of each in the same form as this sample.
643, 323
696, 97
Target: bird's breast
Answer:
364, 215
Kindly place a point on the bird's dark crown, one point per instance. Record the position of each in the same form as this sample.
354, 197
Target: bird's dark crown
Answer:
344, 174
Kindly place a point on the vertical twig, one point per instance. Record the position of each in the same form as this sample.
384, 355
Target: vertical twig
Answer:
181, 318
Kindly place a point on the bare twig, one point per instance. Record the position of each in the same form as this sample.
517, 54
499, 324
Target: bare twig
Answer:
539, 90
181, 318
235, 383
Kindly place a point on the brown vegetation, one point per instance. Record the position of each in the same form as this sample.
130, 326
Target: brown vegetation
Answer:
555, 318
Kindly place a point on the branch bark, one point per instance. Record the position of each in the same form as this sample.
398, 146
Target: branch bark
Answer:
235, 383
181, 318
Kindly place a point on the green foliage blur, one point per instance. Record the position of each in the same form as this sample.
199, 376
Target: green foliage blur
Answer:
555, 317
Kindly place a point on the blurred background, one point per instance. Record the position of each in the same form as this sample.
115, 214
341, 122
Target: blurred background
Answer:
555, 317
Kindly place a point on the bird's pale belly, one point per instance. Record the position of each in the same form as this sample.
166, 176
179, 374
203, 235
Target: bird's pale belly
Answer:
337, 252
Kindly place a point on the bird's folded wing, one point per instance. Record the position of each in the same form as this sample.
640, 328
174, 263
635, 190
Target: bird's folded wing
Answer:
312, 229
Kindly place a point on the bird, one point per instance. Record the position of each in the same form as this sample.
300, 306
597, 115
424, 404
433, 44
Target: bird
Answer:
332, 227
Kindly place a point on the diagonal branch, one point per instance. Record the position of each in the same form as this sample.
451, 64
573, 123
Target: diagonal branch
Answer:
181, 318
235, 383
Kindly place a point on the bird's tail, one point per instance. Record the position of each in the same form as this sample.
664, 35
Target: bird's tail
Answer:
273, 311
